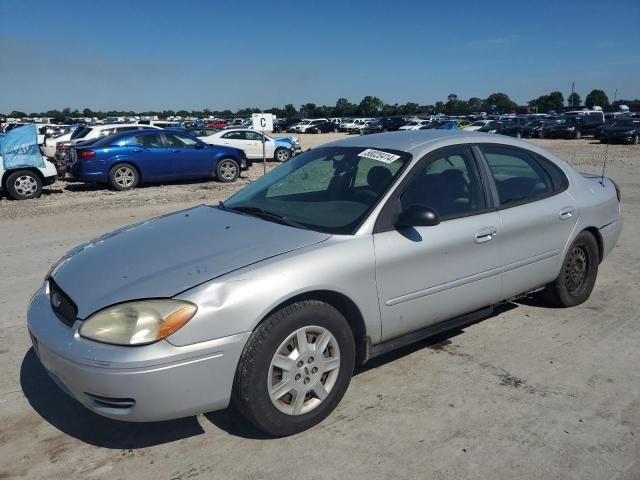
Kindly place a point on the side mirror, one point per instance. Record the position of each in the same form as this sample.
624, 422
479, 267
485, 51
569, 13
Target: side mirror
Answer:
418, 216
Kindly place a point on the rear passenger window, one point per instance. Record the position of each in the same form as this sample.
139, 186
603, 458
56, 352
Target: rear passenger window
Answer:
519, 177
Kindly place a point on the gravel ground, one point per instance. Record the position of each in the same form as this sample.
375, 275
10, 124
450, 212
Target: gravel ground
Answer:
530, 392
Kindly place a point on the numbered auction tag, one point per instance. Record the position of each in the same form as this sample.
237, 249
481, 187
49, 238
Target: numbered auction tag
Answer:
379, 155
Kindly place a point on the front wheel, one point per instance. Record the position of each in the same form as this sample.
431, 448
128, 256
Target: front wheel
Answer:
282, 154
295, 368
518, 134
123, 177
635, 140
577, 135
578, 275
23, 184
227, 170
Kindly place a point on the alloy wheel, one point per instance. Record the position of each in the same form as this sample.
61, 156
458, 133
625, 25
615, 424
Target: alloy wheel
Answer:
228, 170
124, 177
304, 370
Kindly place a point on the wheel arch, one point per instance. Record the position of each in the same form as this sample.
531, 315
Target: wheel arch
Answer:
7, 173
119, 161
345, 305
598, 236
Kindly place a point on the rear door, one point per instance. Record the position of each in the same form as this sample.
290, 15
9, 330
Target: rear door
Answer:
429, 274
537, 216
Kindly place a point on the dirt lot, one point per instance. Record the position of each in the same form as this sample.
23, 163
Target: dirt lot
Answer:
530, 392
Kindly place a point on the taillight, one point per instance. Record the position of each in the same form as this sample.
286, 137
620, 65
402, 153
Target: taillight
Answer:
87, 154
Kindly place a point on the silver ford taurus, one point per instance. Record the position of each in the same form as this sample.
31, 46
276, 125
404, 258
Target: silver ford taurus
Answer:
345, 252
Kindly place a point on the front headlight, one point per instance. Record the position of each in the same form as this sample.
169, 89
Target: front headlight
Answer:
630, 132
571, 129
139, 322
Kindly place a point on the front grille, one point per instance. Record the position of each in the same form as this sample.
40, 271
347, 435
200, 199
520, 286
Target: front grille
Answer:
62, 305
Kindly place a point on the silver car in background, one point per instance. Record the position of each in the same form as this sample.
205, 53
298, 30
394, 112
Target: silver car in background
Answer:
343, 253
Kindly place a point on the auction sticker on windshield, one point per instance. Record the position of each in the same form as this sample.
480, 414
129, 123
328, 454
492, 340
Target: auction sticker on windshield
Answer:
379, 155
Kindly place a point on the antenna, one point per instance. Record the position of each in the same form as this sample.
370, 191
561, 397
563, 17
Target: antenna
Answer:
606, 149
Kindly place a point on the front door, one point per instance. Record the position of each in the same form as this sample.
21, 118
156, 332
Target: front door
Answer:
429, 274
189, 158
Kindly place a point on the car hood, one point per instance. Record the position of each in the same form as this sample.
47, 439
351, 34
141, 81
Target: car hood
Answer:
167, 255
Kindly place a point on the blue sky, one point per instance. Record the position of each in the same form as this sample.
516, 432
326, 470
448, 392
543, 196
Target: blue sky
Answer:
197, 54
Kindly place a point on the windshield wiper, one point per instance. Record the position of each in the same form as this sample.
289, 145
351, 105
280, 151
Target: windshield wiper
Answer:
264, 214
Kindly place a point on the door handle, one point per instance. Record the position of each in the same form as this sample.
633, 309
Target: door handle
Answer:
137, 150
175, 150
566, 213
486, 234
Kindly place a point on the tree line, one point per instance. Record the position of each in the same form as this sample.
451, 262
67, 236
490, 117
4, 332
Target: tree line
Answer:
369, 106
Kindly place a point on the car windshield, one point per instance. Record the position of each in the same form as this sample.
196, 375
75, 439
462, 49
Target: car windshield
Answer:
328, 189
624, 123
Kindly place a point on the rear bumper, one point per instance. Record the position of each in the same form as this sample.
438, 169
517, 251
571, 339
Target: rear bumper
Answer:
147, 383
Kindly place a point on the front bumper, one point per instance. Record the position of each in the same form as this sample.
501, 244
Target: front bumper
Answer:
141, 384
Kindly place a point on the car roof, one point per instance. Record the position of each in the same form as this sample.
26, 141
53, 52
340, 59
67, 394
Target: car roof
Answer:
419, 142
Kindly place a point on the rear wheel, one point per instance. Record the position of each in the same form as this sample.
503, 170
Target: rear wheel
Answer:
577, 135
282, 154
23, 184
295, 368
227, 170
578, 275
518, 134
635, 139
123, 176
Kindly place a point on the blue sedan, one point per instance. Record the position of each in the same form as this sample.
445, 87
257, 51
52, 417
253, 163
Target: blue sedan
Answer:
125, 160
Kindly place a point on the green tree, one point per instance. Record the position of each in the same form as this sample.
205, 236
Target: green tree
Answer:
370, 106
597, 98
344, 108
499, 102
474, 104
439, 107
17, 114
574, 100
182, 113
556, 100
308, 110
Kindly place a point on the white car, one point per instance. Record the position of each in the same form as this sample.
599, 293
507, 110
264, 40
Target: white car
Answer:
415, 125
475, 126
23, 183
250, 141
307, 123
354, 124
50, 145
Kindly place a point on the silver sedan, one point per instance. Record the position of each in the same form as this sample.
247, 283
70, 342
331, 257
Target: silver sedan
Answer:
345, 252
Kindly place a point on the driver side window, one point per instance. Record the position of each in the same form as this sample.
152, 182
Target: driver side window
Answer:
449, 183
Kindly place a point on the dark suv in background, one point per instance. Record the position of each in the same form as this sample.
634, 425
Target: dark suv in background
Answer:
574, 126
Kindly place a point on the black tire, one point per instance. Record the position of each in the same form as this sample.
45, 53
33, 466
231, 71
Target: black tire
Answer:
250, 393
518, 134
335, 130
577, 135
282, 154
123, 176
23, 185
227, 170
572, 288
635, 140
